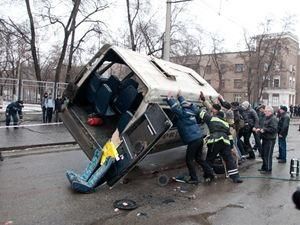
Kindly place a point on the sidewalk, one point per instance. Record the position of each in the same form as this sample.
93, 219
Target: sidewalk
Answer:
34, 136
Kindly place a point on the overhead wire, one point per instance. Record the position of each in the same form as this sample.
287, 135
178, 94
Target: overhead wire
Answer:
218, 12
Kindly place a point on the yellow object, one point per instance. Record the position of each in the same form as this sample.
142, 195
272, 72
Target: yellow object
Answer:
109, 150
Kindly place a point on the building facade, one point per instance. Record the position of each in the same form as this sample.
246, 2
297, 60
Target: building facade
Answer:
240, 76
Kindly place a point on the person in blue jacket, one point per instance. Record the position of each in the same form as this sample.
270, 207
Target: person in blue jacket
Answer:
13, 110
191, 135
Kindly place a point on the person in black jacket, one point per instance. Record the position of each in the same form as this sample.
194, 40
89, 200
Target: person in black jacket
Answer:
268, 133
190, 134
283, 128
12, 111
251, 123
291, 110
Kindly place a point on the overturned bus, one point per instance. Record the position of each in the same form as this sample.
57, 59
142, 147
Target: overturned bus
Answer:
127, 90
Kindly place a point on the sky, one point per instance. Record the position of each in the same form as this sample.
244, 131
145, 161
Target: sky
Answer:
228, 18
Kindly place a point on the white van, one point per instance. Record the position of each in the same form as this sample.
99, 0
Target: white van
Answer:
127, 90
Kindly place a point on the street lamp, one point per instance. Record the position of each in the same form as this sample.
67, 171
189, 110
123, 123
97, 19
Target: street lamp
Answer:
166, 51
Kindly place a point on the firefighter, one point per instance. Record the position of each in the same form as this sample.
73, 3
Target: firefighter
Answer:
191, 135
13, 110
220, 140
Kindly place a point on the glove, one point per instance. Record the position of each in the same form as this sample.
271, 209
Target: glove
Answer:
201, 97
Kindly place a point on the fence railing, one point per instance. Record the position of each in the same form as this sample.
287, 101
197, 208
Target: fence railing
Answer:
30, 91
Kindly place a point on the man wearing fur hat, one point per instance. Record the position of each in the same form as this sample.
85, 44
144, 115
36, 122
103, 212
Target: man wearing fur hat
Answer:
283, 128
251, 124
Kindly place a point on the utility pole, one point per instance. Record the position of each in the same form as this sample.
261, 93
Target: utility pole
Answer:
20, 94
167, 36
166, 53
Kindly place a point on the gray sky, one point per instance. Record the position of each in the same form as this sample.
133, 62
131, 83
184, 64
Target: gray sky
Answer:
228, 18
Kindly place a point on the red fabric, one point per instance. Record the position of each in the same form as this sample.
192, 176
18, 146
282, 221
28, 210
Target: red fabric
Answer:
94, 121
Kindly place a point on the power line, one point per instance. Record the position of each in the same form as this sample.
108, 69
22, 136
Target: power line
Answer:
221, 15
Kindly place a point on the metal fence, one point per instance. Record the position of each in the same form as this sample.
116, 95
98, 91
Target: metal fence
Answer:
29, 90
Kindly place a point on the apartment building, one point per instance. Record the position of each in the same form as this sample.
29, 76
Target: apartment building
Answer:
240, 76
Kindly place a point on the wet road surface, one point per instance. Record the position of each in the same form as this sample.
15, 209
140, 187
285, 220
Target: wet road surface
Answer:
34, 190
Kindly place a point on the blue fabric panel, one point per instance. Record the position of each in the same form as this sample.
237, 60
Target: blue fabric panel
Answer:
125, 99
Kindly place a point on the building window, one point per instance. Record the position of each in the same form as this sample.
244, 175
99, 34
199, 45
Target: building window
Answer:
223, 68
237, 83
293, 84
208, 69
266, 83
239, 68
276, 83
222, 83
237, 97
265, 98
275, 100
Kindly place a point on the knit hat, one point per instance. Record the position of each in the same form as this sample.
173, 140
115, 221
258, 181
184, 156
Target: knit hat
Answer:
221, 114
216, 107
20, 102
284, 108
245, 105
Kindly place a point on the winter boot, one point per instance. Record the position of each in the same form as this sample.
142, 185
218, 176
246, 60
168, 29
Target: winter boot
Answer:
87, 173
95, 180
236, 179
251, 155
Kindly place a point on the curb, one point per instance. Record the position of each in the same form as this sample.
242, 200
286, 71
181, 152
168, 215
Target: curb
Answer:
40, 150
36, 146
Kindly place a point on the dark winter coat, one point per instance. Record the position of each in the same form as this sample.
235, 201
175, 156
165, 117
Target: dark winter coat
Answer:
270, 128
283, 125
187, 125
250, 117
261, 119
14, 108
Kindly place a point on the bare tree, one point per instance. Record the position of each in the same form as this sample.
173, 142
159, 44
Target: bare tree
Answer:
264, 53
218, 60
32, 40
131, 19
69, 27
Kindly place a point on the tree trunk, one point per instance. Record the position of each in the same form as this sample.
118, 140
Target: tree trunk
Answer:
130, 23
68, 74
67, 31
32, 43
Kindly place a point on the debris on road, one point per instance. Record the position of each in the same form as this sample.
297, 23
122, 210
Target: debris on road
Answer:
125, 204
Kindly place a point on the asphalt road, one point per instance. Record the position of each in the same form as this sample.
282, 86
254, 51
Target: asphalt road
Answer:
34, 190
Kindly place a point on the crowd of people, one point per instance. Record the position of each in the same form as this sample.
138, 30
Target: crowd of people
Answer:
230, 128
14, 113
294, 110
50, 106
